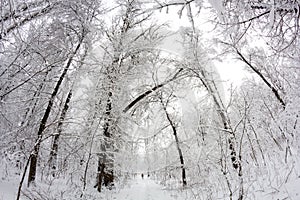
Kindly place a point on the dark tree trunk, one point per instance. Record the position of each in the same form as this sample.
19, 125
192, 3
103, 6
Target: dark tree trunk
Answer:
235, 158
22, 179
100, 173
53, 153
153, 89
183, 173
263, 78
213, 91
105, 174
34, 154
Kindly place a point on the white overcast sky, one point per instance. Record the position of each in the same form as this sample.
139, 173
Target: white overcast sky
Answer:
231, 70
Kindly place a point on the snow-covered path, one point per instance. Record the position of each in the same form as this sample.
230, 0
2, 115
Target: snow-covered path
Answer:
143, 189
137, 189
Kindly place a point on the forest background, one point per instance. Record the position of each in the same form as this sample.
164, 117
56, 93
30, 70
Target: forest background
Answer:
201, 94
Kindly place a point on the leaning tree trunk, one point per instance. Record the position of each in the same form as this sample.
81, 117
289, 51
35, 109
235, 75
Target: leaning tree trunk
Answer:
234, 156
274, 90
35, 152
182, 165
153, 89
54, 148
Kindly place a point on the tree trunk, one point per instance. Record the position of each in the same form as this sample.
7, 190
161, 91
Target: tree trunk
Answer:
53, 153
34, 155
183, 174
22, 179
263, 78
105, 173
92, 135
213, 91
146, 93
235, 158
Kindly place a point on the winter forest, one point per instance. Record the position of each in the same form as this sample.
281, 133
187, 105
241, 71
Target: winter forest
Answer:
202, 97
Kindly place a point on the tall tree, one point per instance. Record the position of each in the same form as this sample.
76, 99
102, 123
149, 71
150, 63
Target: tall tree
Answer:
164, 104
123, 53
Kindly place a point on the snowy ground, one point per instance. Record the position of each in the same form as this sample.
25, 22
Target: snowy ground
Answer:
143, 189
148, 189
7, 190
138, 189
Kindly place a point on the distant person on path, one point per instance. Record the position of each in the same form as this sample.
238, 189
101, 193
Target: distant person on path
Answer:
142, 176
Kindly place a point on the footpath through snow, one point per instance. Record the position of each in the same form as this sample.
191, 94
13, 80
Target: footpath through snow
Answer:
137, 189
143, 189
